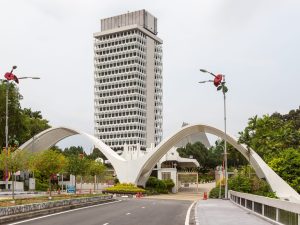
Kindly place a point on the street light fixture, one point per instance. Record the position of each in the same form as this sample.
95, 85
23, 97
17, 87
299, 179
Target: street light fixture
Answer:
8, 77
219, 82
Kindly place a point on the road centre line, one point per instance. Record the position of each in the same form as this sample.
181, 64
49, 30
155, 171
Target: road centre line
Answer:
72, 210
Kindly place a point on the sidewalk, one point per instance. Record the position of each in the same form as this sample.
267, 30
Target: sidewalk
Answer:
223, 212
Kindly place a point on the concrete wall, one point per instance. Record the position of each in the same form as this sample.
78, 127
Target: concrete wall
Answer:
19, 186
141, 18
46, 205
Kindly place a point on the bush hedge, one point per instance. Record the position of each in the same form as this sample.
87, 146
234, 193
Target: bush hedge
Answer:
157, 186
241, 182
124, 189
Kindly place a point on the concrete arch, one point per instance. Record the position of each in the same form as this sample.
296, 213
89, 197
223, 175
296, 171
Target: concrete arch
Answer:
137, 171
278, 185
48, 138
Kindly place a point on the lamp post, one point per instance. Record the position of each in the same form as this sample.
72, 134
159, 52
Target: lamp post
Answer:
220, 83
10, 76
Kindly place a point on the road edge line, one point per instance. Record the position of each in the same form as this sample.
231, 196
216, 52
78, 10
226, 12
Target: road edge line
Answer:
187, 217
196, 213
67, 211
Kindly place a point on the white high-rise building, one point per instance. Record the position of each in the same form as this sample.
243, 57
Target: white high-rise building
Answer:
128, 81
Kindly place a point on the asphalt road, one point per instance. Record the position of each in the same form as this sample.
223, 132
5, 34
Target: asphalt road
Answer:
125, 212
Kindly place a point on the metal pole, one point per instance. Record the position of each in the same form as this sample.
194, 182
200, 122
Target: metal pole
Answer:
6, 135
220, 182
225, 145
62, 182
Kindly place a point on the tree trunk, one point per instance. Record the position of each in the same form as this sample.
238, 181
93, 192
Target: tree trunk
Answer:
50, 187
95, 180
13, 186
75, 183
80, 184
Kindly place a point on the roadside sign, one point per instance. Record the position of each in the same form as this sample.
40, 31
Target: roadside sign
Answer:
70, 188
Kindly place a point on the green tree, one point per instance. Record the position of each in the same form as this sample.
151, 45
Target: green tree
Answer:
33, 123
276, 139
23, 124
96, 169
270, 135
96, 153
48, 163
198, 151
15, 124
74, 150
77, 165
287, 165
14, 161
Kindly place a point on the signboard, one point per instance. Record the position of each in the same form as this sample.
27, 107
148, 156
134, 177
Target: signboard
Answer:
31, 183
70, 188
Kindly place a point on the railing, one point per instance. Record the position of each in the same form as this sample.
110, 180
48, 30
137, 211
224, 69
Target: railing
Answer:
274, 210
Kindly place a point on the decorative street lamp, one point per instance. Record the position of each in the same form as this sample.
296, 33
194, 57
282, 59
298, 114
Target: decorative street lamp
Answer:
219, 82
9, 76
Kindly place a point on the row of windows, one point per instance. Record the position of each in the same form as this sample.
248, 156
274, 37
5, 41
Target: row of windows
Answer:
157, 70
122, 128
123, 63
120, 113
158, 118
122, 56
121, 121
158, 49
158, 103
124, 84
120, 49
121, 34
125, 106
120, 78
158, 77
121, 41
125, 135
115, 50
121, 92
118, 143
123, 99
120, 71
123, 113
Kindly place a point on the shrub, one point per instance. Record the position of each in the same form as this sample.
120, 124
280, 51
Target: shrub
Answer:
214, 193
154, 186
170, 184
124, 189
240, 183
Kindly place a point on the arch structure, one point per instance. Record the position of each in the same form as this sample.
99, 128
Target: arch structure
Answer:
138, 170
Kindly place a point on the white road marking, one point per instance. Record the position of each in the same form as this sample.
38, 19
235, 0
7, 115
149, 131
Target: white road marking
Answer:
72, 210
143, 207
128, 214
105, 223
187, 218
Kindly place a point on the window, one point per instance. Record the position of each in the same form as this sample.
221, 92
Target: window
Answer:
165, 175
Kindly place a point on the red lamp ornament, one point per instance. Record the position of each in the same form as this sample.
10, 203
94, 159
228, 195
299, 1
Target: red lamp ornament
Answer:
218, 79
11, 76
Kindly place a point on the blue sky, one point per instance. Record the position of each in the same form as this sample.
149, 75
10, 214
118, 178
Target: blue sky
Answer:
255, 43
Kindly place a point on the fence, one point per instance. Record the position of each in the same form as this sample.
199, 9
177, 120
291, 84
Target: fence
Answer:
274, 210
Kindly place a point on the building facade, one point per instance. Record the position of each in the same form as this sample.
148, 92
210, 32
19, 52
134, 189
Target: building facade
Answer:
128, 81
